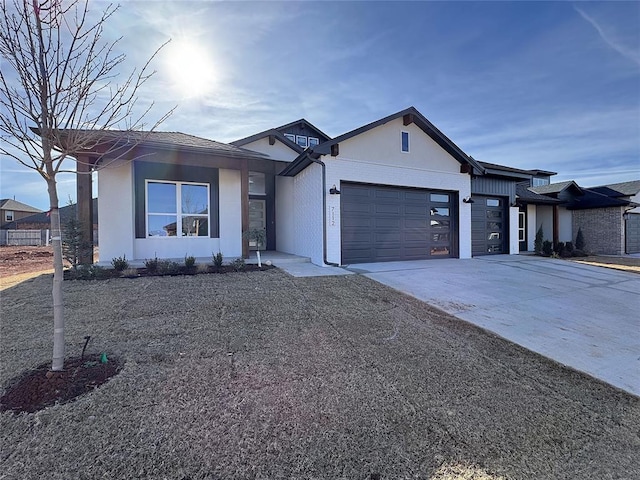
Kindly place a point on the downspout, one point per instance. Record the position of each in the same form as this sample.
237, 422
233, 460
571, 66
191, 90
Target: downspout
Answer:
324, 210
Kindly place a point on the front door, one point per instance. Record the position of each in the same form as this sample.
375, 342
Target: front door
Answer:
258, 220
522, 230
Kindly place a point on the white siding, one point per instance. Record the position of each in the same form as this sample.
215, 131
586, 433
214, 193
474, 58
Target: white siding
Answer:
545, 218
514, 244
285, 224
115, 204
230, 213
307, 214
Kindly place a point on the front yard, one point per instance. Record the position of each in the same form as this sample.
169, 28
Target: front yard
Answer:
262, 375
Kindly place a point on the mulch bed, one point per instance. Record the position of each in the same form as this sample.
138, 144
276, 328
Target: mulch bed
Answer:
106, 273
37, 389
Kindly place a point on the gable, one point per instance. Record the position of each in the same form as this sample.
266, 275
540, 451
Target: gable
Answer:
276, 151
382, 145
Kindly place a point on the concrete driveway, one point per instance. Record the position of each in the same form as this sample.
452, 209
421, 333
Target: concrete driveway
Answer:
582, 316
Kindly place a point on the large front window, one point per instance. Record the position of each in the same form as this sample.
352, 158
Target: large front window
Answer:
177, 209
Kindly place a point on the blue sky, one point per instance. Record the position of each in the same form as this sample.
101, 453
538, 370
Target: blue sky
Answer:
549, 85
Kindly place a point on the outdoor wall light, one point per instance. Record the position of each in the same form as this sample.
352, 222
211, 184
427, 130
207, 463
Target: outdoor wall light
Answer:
468, 200
334, 191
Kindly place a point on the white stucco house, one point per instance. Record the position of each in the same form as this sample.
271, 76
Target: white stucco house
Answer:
394, 189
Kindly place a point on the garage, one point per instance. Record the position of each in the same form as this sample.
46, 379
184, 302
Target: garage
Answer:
632, 233
489, 225
383, 223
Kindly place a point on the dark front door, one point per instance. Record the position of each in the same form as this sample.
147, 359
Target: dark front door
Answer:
383, 223
489, 225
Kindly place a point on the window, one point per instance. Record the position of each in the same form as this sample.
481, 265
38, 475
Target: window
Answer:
404, 140
8, 216
439, 197
177, 209
313, 141
301, 140
291, 137
256, 183
538, 182
493, 202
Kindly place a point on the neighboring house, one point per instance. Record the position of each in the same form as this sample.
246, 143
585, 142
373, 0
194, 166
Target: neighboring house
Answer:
395, 189
42, 220
12, 211
607, 214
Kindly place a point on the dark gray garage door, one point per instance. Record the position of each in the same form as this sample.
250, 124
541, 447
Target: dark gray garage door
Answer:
381, 223
632, 233
489, 225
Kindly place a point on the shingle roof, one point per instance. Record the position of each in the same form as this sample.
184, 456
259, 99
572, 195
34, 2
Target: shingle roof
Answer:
293, 146
593, 199
525, 195
555, 187
504, 168
165, 140
10, 204
623, 189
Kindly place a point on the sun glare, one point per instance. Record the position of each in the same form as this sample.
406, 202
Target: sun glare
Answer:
190, 67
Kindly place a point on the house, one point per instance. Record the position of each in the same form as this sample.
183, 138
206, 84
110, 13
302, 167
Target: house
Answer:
42, 220
12, 211
394, 189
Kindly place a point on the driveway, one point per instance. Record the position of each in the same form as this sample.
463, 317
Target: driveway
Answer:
582, 316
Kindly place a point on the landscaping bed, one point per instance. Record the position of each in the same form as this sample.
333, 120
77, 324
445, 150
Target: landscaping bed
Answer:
263, 375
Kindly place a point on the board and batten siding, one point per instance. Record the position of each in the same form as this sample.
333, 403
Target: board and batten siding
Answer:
494, 186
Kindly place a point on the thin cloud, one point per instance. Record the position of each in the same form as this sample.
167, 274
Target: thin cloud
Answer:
632, 55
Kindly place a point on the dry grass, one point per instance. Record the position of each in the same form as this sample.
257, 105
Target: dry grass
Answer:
628, 264
268, 376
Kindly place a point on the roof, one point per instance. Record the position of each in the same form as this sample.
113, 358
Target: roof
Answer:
511, 171
593, 199
155, 139
525, 195
10, 204
45, 219
410, 115
304, 123
623, 189
554, 188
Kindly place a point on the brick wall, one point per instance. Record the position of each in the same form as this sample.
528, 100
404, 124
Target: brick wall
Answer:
603, 229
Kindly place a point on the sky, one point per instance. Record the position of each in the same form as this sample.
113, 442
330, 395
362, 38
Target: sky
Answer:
532, 85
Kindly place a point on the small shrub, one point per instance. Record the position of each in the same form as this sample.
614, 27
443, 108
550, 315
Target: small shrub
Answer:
190, 261
568, 247
88, 272
238, 264
120, 263
151, 264
537, 244
217, 260
202, 268
547, 248
559, 248
168, 267
580, 240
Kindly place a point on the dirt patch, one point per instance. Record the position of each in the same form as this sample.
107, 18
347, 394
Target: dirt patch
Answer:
19, 260
629, 264
40, 388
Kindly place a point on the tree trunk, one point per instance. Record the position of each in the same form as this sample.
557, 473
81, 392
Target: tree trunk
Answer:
57, 363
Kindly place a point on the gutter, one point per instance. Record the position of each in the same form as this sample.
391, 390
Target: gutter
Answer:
324, 209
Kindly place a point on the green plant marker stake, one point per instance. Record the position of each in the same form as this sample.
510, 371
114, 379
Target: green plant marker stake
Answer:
103, 358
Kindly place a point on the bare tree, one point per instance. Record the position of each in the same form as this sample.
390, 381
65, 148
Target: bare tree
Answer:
61, 97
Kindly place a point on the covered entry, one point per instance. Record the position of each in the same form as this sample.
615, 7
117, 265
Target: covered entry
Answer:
489, 225
382, 223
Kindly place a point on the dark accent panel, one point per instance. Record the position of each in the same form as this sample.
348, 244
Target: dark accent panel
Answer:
489, 225
335, 150
385, 223
407, 119
174, 173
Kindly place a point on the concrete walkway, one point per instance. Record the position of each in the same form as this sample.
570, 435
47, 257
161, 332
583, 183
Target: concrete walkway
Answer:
582, 316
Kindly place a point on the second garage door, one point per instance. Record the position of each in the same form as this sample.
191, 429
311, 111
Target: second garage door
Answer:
488, 225
382, 223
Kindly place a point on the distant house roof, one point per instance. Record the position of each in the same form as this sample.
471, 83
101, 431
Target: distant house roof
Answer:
555, 188
409, 115
525, 195
623, 189
10, 204
43, 217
